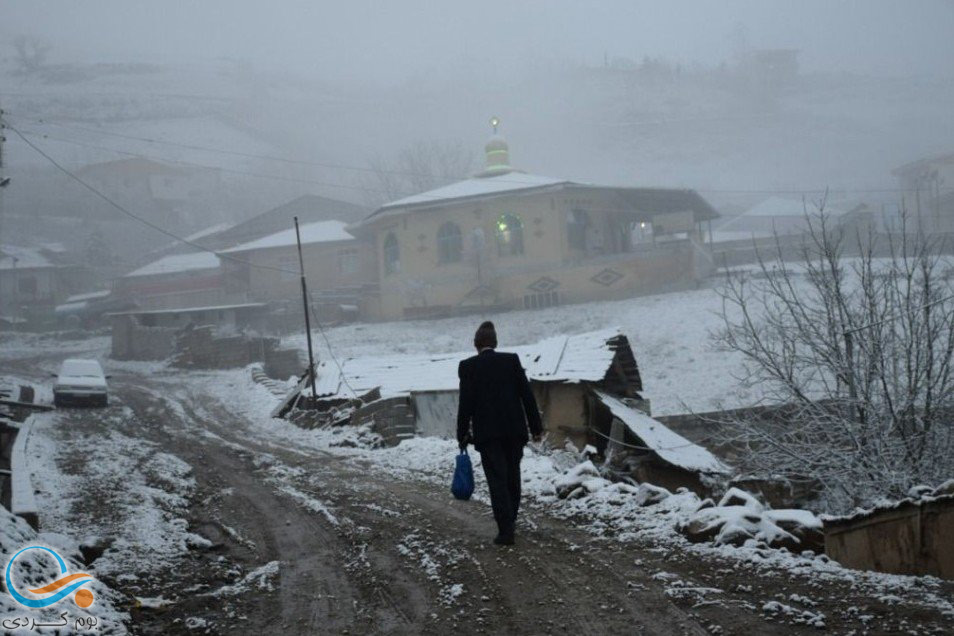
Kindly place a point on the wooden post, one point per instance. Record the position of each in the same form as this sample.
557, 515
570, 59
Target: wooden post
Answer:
304, 299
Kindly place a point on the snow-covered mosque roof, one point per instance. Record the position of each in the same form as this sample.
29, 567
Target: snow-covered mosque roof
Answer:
582, 357
475, 187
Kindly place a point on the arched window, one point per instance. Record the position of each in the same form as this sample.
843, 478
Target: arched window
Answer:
509, 235
449, 243
392, 254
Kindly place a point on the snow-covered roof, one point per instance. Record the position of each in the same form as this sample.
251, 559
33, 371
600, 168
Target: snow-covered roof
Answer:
103, 293
186, 310
22, 258
780, 206
318, 232
668, 445
727, 236
212, 229
177, 263
475, 187
578, 358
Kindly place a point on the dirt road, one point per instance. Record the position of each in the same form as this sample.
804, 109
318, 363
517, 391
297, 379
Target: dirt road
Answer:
313, 543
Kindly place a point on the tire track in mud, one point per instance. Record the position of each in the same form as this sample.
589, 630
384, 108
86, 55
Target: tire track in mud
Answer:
495, 579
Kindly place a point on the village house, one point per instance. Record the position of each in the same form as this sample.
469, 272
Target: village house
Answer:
308, 208
161, 192
340, 270
587, 386
928, 195
33, 280
177, 280
784, 222
508, 239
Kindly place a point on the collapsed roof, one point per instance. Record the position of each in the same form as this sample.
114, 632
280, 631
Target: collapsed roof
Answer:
586, 357
668, 445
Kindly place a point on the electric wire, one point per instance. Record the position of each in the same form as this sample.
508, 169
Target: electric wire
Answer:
176, 237
340, 166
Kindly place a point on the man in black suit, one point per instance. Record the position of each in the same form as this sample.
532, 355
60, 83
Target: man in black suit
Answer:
496, 406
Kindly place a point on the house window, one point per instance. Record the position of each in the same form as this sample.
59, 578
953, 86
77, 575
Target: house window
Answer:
576, 222
509, 235
449, 243
348, 262
392, 254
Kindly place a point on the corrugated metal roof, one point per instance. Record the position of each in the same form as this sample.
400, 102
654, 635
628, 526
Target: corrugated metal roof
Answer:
668, 445
582, 357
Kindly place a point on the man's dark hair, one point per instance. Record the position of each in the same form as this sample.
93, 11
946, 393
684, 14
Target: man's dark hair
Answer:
486, 336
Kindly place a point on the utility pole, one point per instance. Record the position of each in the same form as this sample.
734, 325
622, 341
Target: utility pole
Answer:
304, 299
4, 181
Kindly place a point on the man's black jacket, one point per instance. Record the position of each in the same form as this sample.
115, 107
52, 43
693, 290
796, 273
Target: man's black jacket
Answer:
495, 396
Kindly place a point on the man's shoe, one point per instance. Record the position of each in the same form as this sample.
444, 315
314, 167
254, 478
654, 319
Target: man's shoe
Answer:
504, 539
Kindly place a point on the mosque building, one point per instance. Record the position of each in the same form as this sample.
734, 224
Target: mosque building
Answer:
505, 238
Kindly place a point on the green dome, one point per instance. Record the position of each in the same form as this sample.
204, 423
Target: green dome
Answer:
498, 154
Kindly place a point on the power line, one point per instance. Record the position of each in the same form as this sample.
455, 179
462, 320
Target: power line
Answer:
234, 153
339, 166
193, 164
185, 241
133, 215
422, 196
324, 336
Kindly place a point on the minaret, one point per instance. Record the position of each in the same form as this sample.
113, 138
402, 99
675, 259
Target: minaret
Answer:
498, 153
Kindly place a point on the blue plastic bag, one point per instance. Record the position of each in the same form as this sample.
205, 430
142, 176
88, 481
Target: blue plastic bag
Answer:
463, 484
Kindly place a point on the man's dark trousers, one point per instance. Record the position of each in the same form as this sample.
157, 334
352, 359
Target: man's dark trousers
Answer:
501, 461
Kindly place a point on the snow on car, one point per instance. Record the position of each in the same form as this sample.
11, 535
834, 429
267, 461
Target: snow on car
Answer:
80, 381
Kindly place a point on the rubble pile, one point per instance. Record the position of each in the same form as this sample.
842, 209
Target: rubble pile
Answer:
740, 518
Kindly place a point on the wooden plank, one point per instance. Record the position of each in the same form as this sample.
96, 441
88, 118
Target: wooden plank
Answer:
22, 501
26, 405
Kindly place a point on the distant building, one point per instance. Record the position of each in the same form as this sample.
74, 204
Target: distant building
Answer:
161, 191
787, 217
506, 238
33, 280
308, 208
340, 269
928, 189
177, 280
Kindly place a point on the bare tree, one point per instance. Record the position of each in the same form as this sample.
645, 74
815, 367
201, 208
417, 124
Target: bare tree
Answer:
860, 350
421, 166
31, 53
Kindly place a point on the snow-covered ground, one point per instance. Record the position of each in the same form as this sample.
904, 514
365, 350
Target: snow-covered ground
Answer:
610, 510
147, 489
670, 335
36, 568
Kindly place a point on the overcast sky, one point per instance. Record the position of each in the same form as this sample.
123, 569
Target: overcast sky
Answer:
392, 40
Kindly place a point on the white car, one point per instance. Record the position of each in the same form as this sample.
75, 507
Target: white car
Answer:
80, 381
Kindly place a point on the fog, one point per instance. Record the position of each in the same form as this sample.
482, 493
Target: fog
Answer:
621, 93
391, 42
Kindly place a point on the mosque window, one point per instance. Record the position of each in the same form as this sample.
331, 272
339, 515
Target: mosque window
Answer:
576, 223
392, 254
509, 235
449, 243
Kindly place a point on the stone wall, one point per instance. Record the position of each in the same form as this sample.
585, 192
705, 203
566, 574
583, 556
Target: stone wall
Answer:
132, 341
